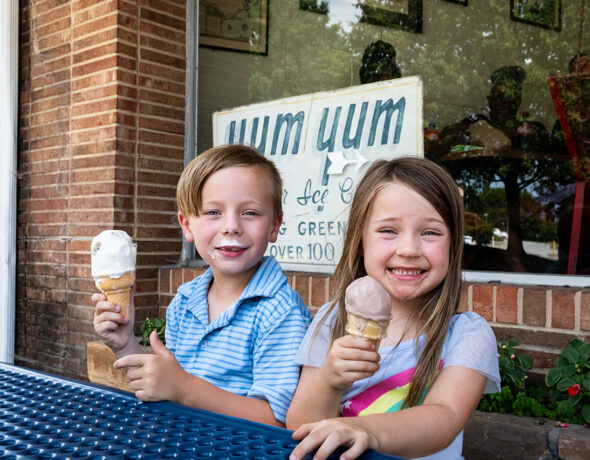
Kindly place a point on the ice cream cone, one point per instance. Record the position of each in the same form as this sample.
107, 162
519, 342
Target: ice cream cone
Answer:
367, 328
118, 290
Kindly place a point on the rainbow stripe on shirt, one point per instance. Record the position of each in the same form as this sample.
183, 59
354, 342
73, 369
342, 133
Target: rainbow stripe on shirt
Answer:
385, 396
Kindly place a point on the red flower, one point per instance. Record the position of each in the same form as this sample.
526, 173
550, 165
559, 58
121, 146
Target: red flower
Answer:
574, 390
512, 356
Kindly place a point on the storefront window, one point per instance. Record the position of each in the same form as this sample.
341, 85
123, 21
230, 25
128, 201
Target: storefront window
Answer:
490, 116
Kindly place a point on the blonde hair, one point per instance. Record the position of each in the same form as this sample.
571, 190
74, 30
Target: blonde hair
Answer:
192, 180
437, 187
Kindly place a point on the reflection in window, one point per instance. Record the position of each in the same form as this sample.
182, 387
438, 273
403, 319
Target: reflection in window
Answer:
490, 116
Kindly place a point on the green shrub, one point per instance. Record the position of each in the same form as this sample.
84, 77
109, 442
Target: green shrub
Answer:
566, 396
571, 377
150, 325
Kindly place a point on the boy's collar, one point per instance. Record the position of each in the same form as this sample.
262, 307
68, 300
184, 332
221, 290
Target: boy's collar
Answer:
267, 280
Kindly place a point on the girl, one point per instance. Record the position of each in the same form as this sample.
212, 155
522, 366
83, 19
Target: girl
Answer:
414, 395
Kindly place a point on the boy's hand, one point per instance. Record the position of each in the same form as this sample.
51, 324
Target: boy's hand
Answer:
154, 377
326, 436
350, 359
112, 327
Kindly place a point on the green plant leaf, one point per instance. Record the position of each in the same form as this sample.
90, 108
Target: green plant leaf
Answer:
514, 343
569, 370
525, 361
553, 376
586, 413
586, 384
576, 343
574, 400
570, 354
564, 384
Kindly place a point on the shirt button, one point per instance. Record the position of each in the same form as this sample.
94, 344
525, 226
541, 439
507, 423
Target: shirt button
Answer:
204, 344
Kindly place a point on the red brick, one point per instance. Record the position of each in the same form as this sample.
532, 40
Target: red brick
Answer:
481, 299
563, 309
541, 359
585, 311
174, 36
161, 19
164, 280
175, 279
318, 291
545, 338
97, 11
166, 73
464, 300
302, 282
507, 304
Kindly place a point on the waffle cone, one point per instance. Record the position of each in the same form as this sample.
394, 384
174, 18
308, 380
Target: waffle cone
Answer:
367, 328
118, 290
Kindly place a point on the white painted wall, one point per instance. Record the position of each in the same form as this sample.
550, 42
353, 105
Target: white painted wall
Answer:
9, 10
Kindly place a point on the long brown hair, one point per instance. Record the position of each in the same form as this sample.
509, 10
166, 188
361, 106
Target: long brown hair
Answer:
437, 187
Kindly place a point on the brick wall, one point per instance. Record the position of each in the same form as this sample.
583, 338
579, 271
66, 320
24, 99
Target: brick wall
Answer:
544, 319
100, 146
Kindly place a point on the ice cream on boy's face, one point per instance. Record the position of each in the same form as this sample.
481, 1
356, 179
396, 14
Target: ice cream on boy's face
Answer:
368, 306
113, 266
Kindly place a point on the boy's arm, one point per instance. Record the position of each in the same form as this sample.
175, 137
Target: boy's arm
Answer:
160, 377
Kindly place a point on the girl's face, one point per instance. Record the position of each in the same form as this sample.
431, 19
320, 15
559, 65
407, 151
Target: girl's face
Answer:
405, 245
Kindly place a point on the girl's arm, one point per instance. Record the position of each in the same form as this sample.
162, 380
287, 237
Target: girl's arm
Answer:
320, 389
413, 432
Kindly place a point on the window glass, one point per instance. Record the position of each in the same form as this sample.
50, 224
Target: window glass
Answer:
490, 116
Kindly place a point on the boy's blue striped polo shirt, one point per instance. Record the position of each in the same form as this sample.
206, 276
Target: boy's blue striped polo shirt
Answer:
249, 349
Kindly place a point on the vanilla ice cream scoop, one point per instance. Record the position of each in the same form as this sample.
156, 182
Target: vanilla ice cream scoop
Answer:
367, 298
113, 267
368, 308
113, 254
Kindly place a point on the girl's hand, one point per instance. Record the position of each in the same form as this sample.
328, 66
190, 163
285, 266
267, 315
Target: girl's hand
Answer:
326, 436
350, 359
156, 377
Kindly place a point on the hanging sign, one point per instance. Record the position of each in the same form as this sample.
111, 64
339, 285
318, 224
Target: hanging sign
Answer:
322, 144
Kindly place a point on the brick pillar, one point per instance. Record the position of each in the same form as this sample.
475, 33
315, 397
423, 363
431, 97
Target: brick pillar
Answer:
101, 146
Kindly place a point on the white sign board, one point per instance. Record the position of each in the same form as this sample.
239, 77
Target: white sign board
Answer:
322, 144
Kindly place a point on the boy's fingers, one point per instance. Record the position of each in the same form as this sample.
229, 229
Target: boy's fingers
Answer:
97, 297
106, 306
130, 361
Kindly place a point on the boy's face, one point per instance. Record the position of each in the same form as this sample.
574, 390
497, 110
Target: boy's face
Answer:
236, 221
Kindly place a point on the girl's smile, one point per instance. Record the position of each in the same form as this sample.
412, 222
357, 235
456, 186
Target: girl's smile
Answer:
405, 244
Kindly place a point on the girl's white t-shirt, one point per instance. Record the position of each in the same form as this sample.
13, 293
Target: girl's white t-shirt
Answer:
470, 342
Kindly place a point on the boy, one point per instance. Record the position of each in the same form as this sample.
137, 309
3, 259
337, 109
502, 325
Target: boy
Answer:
232, 332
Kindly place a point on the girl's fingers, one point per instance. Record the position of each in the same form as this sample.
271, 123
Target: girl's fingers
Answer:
302, 431
330, 443
355, 451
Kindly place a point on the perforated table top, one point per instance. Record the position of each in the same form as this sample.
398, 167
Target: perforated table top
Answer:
49, 417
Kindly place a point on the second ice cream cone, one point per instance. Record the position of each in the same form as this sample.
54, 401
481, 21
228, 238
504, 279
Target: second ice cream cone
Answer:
118, 290
367, 328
